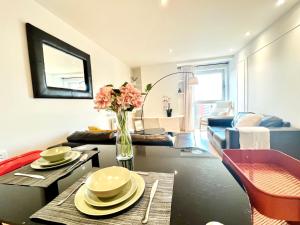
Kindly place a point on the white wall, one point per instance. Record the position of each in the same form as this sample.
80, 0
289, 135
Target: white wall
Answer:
28, 123
272, 69
167, 87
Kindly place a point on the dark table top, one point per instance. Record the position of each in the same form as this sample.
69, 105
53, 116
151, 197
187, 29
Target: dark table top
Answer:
204, 190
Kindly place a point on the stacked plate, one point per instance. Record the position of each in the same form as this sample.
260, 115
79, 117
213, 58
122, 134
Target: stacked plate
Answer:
108, 191
55, 157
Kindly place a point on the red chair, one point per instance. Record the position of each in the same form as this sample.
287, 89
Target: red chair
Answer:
16, 162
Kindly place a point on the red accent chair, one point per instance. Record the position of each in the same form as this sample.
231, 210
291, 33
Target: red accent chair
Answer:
16, 162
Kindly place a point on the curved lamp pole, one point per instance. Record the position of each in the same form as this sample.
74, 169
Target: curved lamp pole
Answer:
194, 82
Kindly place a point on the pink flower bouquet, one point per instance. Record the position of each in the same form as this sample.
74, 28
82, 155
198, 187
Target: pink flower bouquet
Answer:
126, 98
121, 100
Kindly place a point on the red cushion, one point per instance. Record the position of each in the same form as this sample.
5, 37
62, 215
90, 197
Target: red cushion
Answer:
16, 162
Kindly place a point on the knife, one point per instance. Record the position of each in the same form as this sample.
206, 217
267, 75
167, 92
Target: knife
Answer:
30, 175
152, 193
82, 159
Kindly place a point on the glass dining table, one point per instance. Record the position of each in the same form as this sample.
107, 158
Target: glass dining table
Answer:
203, 191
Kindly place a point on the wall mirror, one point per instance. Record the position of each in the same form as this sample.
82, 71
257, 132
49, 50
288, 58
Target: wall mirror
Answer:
58, 69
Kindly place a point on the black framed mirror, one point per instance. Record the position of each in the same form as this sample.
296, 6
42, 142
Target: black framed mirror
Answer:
58, 70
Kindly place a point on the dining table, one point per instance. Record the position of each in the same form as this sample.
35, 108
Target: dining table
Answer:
203, 189
21, 196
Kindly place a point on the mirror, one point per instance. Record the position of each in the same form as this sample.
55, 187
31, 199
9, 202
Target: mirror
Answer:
63, 70
58, 70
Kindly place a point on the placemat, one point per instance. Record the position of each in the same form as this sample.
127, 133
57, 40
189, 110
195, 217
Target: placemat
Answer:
159, 214
51, 175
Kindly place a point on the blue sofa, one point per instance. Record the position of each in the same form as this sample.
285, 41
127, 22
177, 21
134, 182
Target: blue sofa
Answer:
283, 137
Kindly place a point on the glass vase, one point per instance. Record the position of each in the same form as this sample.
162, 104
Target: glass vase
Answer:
123, 138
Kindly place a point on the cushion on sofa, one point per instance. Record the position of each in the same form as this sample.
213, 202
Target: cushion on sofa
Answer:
92, 137
238, 116
16, 162
249, 120
85, 137
154, 140
271, 121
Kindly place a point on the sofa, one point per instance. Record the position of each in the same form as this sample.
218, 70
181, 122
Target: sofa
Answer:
79, 138
222, 134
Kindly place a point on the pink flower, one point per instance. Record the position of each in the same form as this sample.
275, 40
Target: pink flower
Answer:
130, 97
125, 98
103, 98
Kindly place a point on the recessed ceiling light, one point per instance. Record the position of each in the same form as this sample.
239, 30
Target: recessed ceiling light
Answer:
280, 2
247, 34
231, 49
170, 50
164, 3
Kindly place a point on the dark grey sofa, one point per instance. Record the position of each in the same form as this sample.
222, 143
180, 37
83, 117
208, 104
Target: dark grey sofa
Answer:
79, 138
222, 135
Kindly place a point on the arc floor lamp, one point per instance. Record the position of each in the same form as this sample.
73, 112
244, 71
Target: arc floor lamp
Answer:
192, 81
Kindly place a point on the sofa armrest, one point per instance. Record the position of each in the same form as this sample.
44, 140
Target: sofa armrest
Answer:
220, 121
287, 140
232, 136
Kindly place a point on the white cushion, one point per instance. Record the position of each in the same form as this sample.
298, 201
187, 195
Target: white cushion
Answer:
249, 120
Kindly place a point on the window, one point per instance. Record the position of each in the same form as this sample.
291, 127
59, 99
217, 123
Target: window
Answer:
211, 86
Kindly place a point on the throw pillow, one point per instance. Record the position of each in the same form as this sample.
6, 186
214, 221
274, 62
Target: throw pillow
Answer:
250, 120
238, 116
271, 121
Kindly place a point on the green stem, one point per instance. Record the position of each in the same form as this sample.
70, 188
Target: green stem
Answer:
124, 142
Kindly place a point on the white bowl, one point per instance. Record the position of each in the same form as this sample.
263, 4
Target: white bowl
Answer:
55, 154
108, 182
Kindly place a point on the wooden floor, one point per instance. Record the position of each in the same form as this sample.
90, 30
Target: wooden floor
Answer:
201, 137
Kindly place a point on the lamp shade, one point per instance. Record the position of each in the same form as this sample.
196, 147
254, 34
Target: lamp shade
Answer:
193, 81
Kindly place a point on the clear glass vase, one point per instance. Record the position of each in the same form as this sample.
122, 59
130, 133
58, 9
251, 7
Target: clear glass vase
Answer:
123, 138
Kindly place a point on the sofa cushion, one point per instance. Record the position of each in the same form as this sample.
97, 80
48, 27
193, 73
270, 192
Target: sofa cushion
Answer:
249, 120
92, 137
16, 162
219, 139
84, 137
271, 121
238, 116
154, 140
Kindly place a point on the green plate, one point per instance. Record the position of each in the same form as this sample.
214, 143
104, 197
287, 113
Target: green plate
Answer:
43, 162
87, 209
73, 156
126, 193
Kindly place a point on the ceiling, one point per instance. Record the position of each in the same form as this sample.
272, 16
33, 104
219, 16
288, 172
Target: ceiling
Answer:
144, 32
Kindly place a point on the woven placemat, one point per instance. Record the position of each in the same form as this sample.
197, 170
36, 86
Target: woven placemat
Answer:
159, 214
51, 175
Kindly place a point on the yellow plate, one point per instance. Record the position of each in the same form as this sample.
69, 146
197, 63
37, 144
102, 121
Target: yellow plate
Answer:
85, 208
126, 193
35, 165
44, 162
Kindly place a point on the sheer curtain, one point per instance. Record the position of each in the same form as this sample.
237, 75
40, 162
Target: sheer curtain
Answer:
188, 100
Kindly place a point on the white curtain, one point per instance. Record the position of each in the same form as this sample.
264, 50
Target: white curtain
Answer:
188, 100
